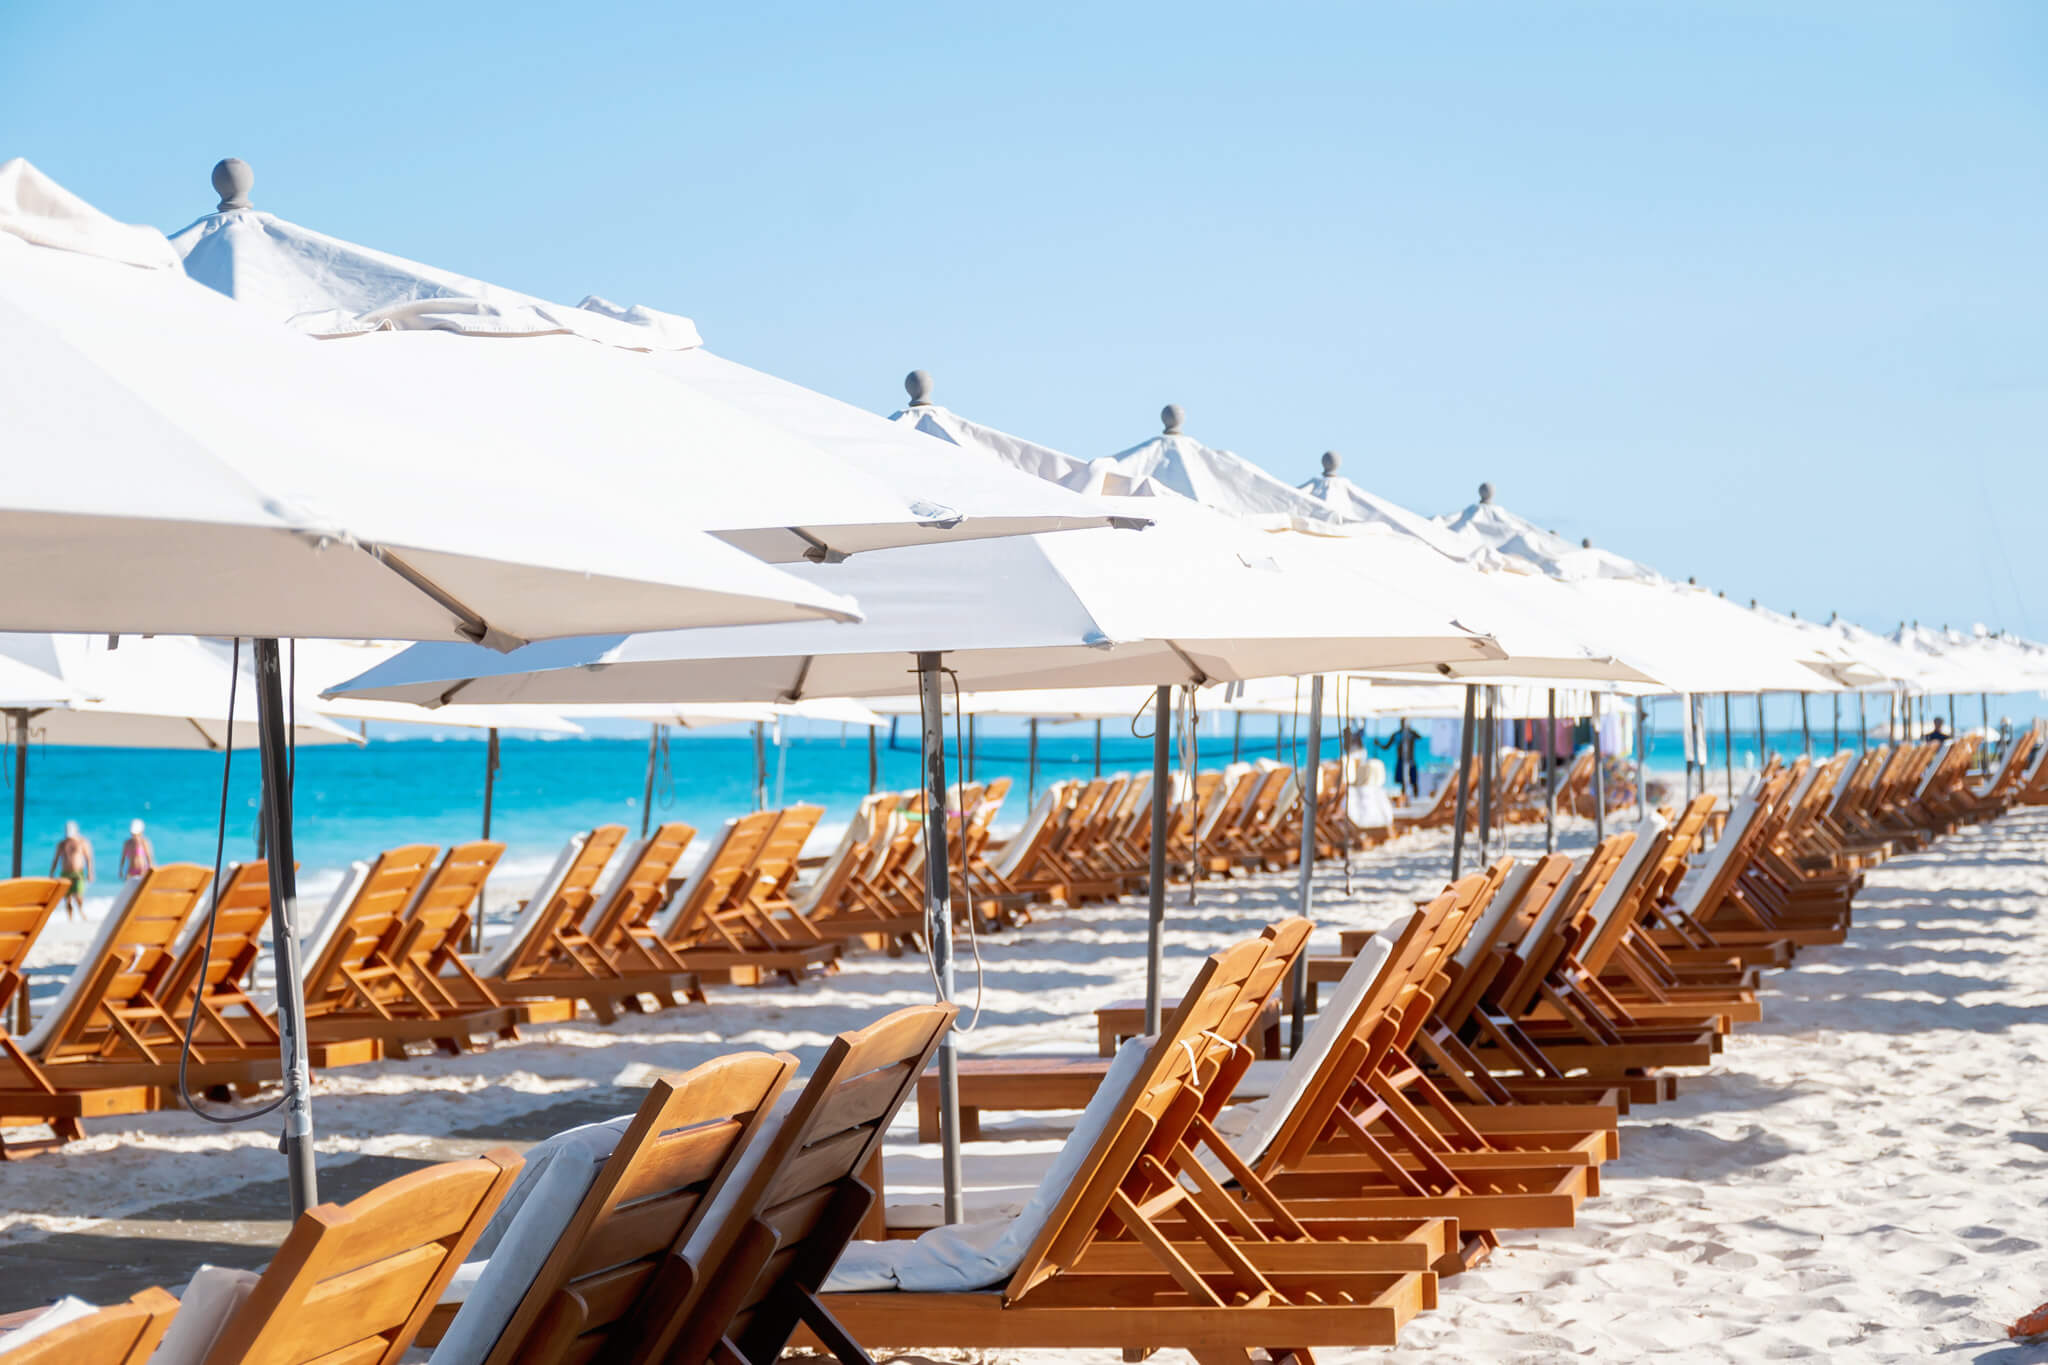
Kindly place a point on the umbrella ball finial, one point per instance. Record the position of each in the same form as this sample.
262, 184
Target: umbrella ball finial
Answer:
1486, 492
232, 181
1585, 542
1332, 461
1171, 417
918, 384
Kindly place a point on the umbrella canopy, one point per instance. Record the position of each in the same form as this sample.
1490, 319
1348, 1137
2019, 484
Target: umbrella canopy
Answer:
178, 465
770, 466
320, 664
1348, 502
150, 692
1951, 661
1491, 524
1195, 599
1688, 639
1544, 631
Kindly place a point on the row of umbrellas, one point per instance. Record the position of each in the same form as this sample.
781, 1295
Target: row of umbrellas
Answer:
584, 506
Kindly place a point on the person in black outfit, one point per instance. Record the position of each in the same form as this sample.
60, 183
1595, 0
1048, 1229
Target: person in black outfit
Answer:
1402, 742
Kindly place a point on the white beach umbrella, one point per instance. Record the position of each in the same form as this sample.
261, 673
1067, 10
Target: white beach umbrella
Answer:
1348, 502
1196, 598
770, 466
1543, 632
182, 466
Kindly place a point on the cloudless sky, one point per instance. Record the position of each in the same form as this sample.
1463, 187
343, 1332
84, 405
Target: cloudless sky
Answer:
1750, 291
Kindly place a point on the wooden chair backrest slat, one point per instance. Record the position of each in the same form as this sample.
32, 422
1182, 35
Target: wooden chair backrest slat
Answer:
124, 1334
355, 1282
659, 1181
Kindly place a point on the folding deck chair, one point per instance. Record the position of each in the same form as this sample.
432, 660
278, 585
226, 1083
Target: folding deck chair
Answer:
28, 1097
1116, 1250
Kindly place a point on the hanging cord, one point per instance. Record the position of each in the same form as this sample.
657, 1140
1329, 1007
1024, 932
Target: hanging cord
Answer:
973, 937
220, 843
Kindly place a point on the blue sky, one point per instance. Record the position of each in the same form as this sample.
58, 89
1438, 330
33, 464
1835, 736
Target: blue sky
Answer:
1751, 291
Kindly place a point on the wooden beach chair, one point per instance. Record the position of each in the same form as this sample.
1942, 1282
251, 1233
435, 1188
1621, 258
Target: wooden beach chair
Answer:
427, 949
549, 955
116, 1022
743, 1281
125, 1334
28, 1098
734, 920
621, 938
350, 1286
1035, 1082
585, 1235
1129, 1243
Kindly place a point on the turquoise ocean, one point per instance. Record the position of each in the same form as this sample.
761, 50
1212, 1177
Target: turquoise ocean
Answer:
354, 801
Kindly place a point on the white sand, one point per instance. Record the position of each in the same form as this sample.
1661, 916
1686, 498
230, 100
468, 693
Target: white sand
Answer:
1861, 1177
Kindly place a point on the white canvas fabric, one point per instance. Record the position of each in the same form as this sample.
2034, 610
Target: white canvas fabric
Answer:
66, 1310
1252, 1127
1537, 623
38, 210
1611, 895
665, 922
232, 480
157, 692
500, 954
967, 1256
1706, 869
1496, 910
520, 1236
209, 1302
638, 385
1194, 599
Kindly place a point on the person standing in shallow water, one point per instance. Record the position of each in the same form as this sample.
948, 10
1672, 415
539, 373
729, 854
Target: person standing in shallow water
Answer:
138, 855
73, 863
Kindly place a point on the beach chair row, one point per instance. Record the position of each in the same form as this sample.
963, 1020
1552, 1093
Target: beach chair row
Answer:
1462, 1078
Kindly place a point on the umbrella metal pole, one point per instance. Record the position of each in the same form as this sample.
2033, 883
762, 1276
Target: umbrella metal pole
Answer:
1951, 714
1311, 783
938, 920
967, 759
1031, 767
1236, 734
1642, 760
1486, 743
1805, 728
1728, 740
20, 719
1280, 738
1550, 773
1155, 890
874, 761
1862, 727
1985, 748
476, 927
761, 766
1464, 785
1599, 778
1098, 747
647, 790
276, 817
1837, 709
1763, 748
